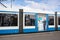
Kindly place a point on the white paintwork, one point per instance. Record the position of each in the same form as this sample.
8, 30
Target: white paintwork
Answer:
5, 28
51, 26
29, 27
44, 12
8, 13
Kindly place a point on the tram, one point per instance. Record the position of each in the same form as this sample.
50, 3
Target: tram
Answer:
13, 22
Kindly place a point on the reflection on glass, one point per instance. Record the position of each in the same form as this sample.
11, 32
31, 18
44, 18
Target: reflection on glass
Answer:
8, 19
58, 20
29, 20
51, 20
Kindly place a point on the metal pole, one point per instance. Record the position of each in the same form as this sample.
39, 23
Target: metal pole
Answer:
20, 20
56, 26
3, 5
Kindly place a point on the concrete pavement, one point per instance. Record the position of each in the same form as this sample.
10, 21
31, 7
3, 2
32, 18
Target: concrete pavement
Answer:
33, 36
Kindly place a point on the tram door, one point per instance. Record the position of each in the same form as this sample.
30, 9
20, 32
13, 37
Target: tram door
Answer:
41, 20
51, 22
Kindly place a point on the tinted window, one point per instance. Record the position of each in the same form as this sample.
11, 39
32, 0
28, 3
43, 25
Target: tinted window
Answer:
51, 20
8, 19
29, 20
58, 20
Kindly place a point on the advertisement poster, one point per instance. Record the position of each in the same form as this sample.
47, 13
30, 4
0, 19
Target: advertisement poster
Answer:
41, 22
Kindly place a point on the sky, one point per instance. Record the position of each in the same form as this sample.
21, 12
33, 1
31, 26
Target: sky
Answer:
32, 5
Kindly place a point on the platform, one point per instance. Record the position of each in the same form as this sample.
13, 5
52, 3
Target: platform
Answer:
33, 36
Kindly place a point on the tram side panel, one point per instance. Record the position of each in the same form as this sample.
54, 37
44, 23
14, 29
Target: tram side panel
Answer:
8, 23
29, 22
58, 22
51, 22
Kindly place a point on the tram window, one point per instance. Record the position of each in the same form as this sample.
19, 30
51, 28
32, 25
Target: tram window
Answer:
58, 20
51, 20
8, 20
29, 20
0, 20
